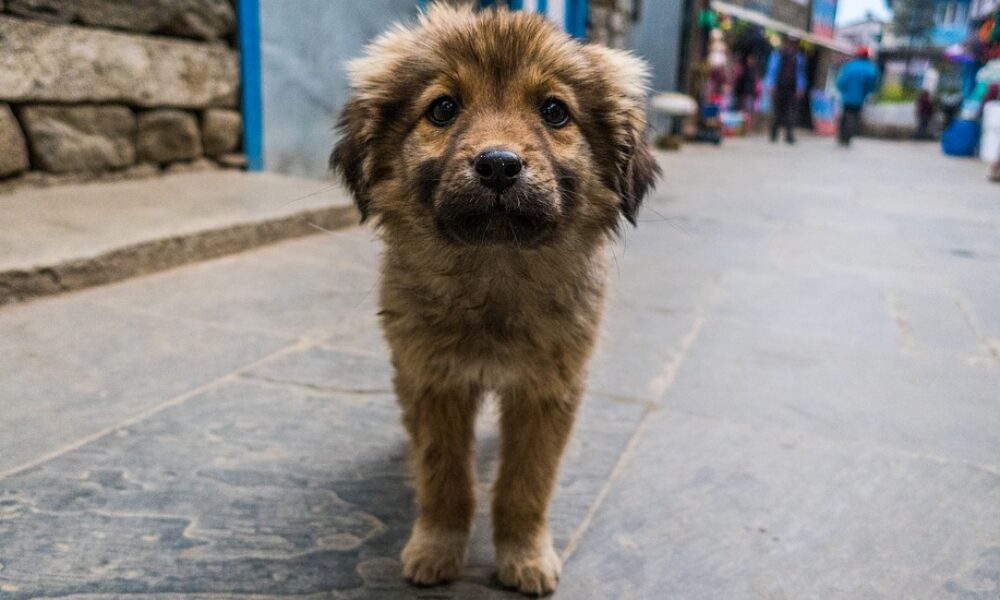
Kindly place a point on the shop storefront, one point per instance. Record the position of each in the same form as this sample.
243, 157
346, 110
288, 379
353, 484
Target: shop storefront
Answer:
738, 42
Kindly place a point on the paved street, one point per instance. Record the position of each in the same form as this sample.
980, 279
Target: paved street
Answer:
796, 395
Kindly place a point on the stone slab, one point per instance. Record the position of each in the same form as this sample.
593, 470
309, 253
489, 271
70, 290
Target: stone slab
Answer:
937, 321
941, 404
710, 508
42, 62
177, 510
635, 350
825, 303
72, 368
267, 487
74, 236
320, 289
328, 370
202, 19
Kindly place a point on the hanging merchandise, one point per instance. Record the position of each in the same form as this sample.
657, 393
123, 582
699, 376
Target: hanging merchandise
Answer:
989, 36
708, 19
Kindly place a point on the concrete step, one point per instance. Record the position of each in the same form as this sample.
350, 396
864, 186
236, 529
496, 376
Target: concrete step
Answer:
74, 236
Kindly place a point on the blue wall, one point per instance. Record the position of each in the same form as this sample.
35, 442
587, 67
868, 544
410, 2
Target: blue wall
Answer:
304, 46
656, 38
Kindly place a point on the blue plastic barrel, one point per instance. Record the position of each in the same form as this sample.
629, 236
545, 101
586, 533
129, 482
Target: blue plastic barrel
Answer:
961, 138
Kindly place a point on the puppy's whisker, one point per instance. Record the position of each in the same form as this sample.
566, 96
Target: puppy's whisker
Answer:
321, 228
617, 266
513, 232
672, 221
311, 194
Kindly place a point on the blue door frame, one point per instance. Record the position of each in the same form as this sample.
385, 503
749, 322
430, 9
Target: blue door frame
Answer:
248, 13
576, 12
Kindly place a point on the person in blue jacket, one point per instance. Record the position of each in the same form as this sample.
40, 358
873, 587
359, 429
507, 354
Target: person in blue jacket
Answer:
857, 79
785, 79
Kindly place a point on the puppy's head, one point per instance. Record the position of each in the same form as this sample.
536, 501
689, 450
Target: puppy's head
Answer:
494, 128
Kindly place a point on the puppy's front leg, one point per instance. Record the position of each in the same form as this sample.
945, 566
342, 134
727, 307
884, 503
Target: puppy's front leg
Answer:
441, 422
534, 428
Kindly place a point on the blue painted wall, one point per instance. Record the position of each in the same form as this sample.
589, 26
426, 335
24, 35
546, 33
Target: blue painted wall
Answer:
304, 45
656, 37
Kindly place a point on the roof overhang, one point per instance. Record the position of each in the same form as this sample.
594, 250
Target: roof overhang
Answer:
759, 18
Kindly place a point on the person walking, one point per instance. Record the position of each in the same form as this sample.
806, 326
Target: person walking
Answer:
745, 86
857, 79
785, 79
925, 113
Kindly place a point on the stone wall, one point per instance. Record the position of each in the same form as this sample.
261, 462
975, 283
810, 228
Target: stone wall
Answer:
609, 21
105, 88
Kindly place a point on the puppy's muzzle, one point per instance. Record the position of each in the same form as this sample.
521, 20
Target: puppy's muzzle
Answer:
496, 219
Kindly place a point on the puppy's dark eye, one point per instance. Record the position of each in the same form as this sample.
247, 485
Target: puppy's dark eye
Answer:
442, 111
554, 112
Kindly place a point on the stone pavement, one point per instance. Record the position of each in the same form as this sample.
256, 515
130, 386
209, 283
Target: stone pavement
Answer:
796, 395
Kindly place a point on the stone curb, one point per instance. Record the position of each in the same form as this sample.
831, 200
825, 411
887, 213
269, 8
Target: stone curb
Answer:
164, 253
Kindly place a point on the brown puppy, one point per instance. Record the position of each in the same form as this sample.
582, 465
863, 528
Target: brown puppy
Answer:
496, 156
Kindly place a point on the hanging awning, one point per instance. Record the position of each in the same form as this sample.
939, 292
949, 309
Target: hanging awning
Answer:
759, 18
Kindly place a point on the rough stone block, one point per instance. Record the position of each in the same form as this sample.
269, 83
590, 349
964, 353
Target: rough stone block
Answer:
233, 160
67, 139
199, 165
13, 150
60, 63
168, 136
221, 130
203, 19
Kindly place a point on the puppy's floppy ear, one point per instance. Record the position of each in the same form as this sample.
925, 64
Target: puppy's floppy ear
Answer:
350, 156
379, 81
638, 173
625, 79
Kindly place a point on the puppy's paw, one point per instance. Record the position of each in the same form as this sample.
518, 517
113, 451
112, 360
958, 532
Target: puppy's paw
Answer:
432, 557
533, 569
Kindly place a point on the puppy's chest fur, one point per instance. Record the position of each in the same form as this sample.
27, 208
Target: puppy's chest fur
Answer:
487, 317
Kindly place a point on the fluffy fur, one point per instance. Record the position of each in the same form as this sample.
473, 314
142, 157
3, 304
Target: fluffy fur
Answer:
485, 292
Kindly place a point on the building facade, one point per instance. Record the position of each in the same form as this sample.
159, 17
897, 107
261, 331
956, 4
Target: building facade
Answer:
867, 33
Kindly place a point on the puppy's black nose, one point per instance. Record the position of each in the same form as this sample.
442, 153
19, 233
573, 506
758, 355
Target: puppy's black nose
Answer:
498, 169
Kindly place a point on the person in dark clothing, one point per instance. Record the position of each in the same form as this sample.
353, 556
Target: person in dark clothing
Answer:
786, 80
857, 79
745, 88
925, 112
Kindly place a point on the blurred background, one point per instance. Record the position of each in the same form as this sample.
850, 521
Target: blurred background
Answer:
796, 392
199, 84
